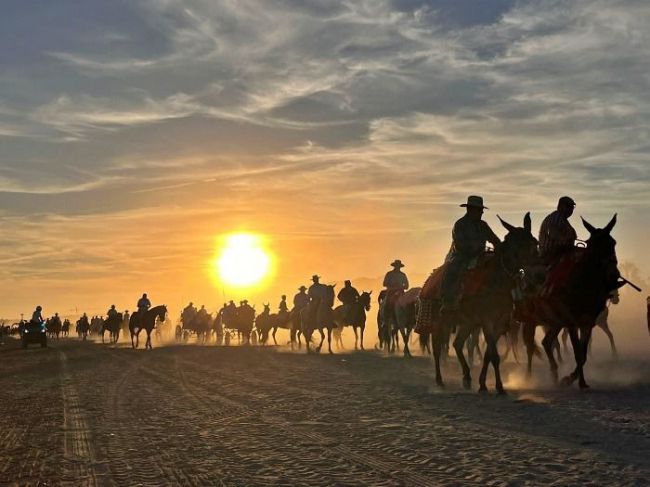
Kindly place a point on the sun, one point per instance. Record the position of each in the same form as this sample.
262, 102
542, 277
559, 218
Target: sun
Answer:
243, 260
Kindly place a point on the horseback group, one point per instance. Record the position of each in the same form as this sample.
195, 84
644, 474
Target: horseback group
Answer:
519, 282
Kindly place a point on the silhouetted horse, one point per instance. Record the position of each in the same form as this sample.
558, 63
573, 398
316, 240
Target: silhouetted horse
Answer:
405, 310
54, 327
200, 325
490, 305
354, 315
264, 323
576, 303
602, 323
147, 323
112, 325
283, 320
319, 316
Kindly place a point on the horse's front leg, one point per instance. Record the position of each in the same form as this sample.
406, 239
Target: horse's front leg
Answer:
585, 338
356, 337
459, 345
436, 346
275, 330
329, 340
322, 339
405, 332
548, 343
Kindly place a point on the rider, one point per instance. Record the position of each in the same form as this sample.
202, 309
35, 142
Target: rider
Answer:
395, 280
348, 295
301, 299
316, 291
143, 305
283, 307
112, 313
37, 316
469, 236
556, 235
202, 312
189, 312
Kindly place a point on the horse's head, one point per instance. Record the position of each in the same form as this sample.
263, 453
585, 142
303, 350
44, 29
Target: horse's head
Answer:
601, 248
518, 252
364, 300
267, 308
161, 312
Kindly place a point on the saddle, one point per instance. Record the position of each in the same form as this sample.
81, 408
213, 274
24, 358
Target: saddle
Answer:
561, 270
472, 282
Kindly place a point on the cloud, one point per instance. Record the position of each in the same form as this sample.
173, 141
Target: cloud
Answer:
325, 113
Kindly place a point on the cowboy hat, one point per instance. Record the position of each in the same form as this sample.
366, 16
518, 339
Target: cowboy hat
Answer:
314, 277
474, 202
302, 288
397, 263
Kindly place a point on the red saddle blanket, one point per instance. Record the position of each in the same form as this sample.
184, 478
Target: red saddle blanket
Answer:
560, 272
472, 282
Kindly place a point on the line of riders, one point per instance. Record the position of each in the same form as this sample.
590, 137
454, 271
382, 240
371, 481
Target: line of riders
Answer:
518, 283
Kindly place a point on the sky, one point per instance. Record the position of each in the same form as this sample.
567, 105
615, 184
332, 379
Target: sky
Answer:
134, 134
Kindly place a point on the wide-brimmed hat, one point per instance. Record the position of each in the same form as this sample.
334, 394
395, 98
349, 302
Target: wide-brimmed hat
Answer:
314, 277
302, 288
474, 202
397, 263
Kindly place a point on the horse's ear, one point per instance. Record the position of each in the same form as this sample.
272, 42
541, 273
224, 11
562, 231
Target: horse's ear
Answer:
590, 228
528, 224
611, 224
505, 224
370, 292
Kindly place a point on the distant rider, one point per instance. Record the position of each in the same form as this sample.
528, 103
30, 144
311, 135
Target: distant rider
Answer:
37, 316
143, 305
301, 299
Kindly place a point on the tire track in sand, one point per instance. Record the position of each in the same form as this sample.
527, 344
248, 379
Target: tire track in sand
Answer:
80, 465
131, 464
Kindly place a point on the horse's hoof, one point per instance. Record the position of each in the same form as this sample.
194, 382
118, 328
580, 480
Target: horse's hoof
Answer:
467, 383
483, 389
584, 386
501, 391
566, 381
440, 383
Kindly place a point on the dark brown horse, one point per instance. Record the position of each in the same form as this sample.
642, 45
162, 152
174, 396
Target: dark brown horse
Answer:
577, 302
354, 316
112, 325
319, 316
264, 323
489, 306
147, 323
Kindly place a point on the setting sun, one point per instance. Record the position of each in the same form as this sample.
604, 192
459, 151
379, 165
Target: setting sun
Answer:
243, 261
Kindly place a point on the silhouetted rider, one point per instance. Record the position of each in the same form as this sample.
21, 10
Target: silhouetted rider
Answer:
469, 237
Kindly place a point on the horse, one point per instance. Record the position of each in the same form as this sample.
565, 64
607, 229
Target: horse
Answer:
112, 324
405, 310
487, 304
576, 303
200, 324
318, 316
283, 320
54, 327
147, 323
65, 328
264, 323
354, 315
295, 333
602, 323
387, 335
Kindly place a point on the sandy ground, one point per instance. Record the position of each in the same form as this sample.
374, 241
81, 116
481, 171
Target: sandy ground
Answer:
86, 414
